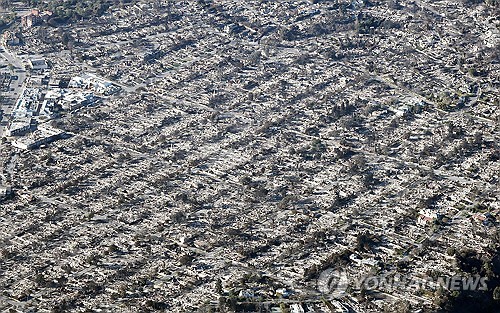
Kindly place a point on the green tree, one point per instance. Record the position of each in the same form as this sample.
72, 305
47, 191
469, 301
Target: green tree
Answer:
496, 293
283, 308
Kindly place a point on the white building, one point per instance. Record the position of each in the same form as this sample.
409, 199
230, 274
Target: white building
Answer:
19, 126
44, 134
5, 191
38, 64
97, 84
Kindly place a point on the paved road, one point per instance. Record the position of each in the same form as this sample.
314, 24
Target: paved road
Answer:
7, 58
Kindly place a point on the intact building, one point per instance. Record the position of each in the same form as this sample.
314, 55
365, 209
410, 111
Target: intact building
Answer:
35, 17
19, 126
38, 64
5, 192
44, 134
